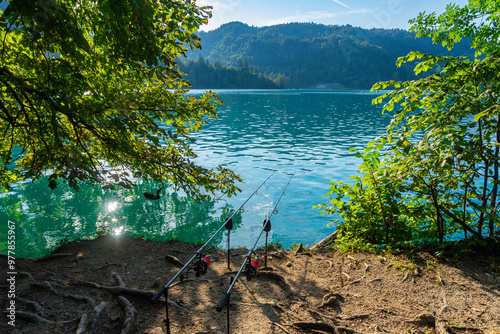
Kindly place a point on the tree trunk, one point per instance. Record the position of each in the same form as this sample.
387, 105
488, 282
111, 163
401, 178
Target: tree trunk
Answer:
494, 191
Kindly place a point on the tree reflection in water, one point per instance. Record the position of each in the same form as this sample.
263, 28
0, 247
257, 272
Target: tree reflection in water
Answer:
45, 218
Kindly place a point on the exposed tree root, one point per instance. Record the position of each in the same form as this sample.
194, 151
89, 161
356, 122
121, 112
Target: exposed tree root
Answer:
276, 277
442, 327
95, 317
353, 282
37, 307
330, 299
198, 280
423, 319
323, 326
119, 280
375, 280
439, 325
354, 316
31, 317
129, 318
48, 286
324, 316
445, 304
111, 264
118, 290
50, 257
273, 305
174, 260
280, 327
35, 318
82, 325
38, 316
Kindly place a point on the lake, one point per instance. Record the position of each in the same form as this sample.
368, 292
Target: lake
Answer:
306, 132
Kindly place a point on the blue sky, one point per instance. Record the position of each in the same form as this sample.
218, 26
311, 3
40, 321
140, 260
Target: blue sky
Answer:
361, 13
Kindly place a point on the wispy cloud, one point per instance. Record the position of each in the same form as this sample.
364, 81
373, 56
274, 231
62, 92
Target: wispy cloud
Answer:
315, 15
342, 4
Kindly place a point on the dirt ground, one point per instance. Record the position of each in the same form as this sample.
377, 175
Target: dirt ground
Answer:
105, 286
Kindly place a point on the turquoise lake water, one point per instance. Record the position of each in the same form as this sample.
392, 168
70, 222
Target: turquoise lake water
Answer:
259, 132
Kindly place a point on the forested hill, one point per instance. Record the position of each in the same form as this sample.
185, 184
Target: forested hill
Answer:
303, 55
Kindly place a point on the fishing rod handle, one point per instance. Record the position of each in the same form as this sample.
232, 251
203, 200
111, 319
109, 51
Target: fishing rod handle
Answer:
223, 301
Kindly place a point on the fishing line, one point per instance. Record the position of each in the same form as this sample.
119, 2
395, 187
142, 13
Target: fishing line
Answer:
203, 262
251, 266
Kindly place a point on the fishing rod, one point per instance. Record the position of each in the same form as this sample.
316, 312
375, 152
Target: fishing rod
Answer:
201, 266
251, 266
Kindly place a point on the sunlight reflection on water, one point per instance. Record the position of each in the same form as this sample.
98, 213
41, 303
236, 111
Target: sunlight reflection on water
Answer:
258, 132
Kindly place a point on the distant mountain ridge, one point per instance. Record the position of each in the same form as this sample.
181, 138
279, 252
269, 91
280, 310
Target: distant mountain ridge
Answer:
309, 54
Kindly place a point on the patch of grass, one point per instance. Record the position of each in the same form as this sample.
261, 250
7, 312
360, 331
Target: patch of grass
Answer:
354, 246
273, 244
402, 266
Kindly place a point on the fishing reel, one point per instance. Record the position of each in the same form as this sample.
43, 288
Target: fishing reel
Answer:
251, 270
201, 266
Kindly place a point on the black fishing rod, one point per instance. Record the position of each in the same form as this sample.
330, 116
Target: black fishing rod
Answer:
201, 266
251, 266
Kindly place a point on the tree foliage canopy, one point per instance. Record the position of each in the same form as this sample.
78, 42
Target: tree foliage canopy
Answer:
90, 91
436, 171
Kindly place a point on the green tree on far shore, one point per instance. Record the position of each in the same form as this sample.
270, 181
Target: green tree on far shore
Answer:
90, 92
436, 170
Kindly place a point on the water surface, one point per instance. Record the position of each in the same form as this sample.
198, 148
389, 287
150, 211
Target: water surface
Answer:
306, 132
